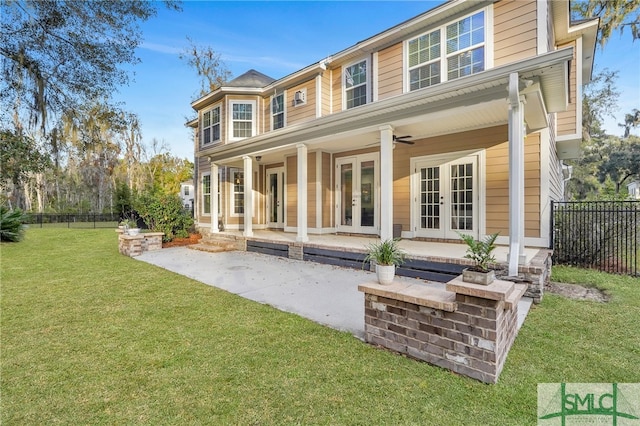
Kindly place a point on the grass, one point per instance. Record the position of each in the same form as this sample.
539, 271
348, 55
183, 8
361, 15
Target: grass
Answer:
93, 337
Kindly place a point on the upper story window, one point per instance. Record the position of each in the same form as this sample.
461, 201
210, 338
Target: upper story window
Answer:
243, 119
211, 125
355, 84
277, 111
461, 54
465, 46
186, 190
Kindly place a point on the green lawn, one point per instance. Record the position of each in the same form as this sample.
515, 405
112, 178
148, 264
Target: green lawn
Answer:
92, 337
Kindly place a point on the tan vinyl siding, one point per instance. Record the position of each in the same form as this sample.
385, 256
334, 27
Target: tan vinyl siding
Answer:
567, 119
311, 190
327, 200
336, 89
515, 33
300, 113
497, 189
326, 93
291, 191
265, 108
390, 71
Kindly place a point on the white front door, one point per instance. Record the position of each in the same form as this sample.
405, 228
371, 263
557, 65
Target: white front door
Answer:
446, 197
357, 205
275, 193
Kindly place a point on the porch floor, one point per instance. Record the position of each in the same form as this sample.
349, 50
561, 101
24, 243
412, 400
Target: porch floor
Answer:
436, 251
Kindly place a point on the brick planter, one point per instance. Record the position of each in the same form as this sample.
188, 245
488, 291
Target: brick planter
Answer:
467, 328
135, 245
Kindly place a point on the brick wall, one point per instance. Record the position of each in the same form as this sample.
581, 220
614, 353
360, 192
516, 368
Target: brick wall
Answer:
471, 336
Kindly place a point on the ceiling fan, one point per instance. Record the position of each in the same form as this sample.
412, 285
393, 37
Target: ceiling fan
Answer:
403, 139
400, 139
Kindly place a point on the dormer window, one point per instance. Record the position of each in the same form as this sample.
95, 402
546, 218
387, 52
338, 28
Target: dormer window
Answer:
355, 84
243, 120
277, 111
458, 48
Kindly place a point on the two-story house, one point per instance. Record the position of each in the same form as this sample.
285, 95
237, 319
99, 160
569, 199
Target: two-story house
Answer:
454, 121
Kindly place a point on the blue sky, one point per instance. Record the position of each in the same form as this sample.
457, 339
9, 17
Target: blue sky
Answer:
278, 38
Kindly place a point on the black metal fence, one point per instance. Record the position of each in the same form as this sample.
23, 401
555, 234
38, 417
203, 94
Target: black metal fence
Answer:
74, 220
603, 235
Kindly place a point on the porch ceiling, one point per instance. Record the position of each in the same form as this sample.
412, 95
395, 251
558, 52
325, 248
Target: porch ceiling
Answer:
473, 102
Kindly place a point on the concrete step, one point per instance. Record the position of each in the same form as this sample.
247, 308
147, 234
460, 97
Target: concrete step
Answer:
212, 248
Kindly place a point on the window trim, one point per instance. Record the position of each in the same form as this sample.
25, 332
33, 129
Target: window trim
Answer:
202, 128
367, 83
204, 194
254, 118
232, 192
284, 109
443, 58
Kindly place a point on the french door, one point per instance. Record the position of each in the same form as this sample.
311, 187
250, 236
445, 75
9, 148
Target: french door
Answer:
275, 200
357, 201
445, 195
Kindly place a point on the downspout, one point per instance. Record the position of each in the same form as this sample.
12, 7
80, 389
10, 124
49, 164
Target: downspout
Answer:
516, 175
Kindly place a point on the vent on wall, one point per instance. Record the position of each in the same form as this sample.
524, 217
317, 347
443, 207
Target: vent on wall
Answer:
300, 97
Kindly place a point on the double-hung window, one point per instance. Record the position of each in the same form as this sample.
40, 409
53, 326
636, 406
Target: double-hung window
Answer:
211, 125
237, 195
424, 60
243, 114
277, 111
355, 84
452, 51
206, 194
465, 46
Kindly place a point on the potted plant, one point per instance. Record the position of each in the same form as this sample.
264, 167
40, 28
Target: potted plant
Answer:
481, 253
386, 255
130, 226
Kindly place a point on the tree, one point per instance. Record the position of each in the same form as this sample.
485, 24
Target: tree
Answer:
20, 159
630, 121
600, 99
613, 14
621, 162
57, 54
211, 69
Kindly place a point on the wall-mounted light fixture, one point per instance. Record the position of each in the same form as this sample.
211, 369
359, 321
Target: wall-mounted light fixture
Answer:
258, 157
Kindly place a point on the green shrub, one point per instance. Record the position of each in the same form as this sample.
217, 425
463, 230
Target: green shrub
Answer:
11, 224
164, 213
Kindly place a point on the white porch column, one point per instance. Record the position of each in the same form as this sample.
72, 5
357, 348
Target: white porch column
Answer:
302, 193
386, 182
516, 175
248, 196
214, 198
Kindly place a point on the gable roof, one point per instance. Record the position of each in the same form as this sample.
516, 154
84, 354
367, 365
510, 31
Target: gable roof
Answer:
251, 78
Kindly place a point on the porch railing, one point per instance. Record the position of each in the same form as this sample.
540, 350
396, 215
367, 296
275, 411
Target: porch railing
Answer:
603, 235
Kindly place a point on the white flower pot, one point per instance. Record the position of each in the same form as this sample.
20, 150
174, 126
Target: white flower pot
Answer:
133, 231
385, 273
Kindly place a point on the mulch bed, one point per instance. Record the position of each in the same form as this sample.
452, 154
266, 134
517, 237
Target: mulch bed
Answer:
179, 242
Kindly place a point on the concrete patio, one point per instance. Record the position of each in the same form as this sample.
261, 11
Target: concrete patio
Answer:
322, 293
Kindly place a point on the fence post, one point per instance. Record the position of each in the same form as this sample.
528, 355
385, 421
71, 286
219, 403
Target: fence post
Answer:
553, 222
